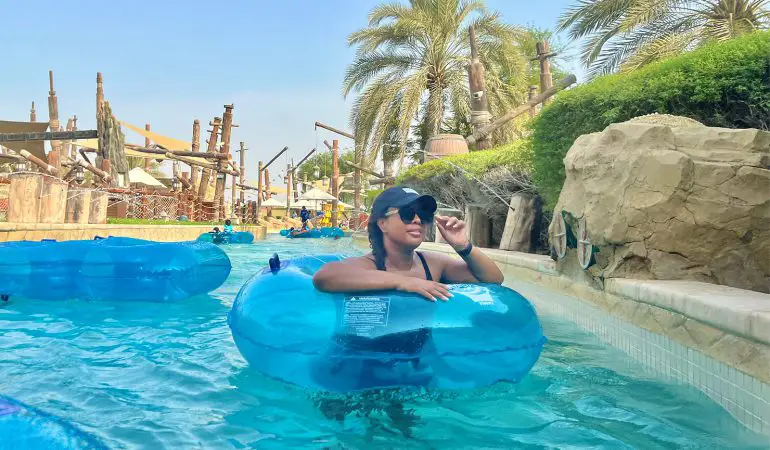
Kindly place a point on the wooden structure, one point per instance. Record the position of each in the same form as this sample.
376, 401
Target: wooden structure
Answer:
357, 159
520, 224
544, 55
441, 145
78, 205
36, 198
480, 116
335, 178
479, 226
507, 117
219, 190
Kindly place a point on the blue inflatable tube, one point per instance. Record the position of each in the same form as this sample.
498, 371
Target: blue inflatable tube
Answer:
23, 427
314, 233
288, 330
237, 237
332, 232
120, 269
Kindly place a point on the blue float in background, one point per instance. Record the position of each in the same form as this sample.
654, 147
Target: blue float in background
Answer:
237, 237
288, 330
312, 233
23, 427
332, 232
317, 232
120, 269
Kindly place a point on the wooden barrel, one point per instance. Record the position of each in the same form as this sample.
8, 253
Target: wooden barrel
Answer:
78, 205
445, 145
24, 197
53, 200
98, 212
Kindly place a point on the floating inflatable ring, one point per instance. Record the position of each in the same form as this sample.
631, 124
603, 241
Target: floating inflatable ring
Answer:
288, 330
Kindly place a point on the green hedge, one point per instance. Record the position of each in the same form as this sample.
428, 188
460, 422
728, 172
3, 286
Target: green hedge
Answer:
516, 156
723, 84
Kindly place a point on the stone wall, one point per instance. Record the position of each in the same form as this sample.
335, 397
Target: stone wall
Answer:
69, 232
672, 203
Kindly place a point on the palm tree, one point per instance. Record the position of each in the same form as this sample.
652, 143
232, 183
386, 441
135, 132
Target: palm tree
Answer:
411, 62
627, 34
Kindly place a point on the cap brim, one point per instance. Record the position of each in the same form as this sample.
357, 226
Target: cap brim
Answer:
423, 201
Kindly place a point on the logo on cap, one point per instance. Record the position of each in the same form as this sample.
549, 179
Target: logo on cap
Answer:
409, 191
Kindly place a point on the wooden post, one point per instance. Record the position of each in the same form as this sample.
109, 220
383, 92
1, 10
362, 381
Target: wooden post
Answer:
358, 156
543, 55
196, 145
147, 143
78, 205
53, 200
100, 119
480, 116
54, 158
259, 189
288, 190
294, 187
521, 109
212, 148
532, 94
522, 219
73, 149
98, 210
242, 177
479, 226
33, 114
219, 190
335, 177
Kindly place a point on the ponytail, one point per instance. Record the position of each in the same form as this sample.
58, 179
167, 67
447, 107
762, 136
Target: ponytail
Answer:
376, 242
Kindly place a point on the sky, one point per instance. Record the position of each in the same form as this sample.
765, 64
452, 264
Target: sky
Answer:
168, 62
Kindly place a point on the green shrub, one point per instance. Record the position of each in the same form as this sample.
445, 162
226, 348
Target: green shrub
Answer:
515, 156
724, 84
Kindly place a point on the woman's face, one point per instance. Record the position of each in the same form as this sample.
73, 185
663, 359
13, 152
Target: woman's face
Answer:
409, 234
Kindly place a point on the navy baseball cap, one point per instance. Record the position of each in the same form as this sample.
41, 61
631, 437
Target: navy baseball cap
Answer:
398, 196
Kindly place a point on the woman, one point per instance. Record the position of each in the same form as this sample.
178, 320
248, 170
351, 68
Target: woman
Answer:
397, 226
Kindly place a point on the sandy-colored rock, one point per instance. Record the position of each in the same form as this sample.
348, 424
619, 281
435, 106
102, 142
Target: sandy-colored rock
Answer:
673, 201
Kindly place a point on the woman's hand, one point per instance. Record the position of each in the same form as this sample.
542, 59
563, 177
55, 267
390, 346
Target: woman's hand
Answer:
453, 231
428, 289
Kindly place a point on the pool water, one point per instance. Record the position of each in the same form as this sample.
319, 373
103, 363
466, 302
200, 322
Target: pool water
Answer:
155, 376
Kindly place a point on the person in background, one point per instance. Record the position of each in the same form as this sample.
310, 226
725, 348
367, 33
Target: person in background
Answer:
397, 226
228, 228
304, 215
217, 236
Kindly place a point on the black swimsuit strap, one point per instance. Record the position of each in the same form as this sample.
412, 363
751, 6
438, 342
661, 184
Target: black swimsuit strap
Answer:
428, 276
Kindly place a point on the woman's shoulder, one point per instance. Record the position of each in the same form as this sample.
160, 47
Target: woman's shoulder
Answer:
365, 261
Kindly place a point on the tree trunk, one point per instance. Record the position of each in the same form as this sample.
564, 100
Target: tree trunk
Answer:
435, 110
479, 226
520, 223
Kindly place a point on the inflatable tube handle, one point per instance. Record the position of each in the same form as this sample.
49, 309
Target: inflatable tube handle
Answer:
275, 263
47, 240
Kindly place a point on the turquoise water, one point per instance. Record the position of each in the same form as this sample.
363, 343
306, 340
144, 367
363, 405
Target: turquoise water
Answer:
157, 376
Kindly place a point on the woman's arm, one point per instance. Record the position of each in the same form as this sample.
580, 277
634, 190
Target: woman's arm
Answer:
475, 266
359, 275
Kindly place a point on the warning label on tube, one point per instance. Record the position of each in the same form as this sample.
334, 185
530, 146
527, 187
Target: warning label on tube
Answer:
364, 316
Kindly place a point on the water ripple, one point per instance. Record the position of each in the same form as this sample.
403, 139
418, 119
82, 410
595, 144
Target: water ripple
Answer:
157, 376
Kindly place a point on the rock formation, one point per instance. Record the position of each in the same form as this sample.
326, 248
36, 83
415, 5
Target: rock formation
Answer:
663, 201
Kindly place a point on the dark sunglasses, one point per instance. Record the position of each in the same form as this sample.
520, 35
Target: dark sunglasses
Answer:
407, 214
